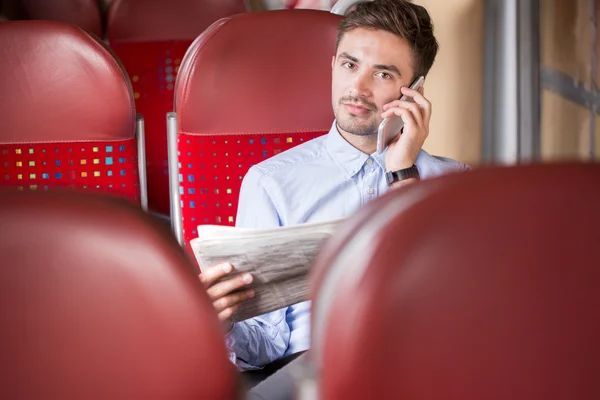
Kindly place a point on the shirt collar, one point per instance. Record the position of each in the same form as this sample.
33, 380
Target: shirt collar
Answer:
348, 157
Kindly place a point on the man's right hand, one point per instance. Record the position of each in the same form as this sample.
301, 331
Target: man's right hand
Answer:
225, 302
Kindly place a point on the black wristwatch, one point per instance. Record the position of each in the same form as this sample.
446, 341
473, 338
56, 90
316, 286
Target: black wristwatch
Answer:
401, 175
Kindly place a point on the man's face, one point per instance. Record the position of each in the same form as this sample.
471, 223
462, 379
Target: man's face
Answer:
369, 69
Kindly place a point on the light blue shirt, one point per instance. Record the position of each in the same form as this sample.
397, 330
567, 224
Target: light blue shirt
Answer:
320, 180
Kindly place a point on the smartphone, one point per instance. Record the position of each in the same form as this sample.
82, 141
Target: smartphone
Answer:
390, 127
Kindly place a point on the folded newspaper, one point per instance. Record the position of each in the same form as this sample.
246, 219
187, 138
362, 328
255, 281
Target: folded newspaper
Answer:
279, 259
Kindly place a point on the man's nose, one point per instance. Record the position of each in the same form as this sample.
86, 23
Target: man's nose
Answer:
361, 87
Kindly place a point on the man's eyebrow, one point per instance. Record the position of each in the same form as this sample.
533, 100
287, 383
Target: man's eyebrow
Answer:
390, 68
348, 56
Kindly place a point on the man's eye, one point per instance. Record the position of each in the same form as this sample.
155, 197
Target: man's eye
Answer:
348, 65
384, 75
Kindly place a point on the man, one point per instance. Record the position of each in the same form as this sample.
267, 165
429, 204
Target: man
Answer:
382, 47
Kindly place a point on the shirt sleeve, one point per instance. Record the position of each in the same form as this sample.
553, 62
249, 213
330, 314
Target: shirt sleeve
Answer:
258, 341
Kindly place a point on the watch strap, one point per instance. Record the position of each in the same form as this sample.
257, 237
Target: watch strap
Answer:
402, 174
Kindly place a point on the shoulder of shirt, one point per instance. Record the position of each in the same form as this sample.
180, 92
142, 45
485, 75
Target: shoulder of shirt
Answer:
292, 158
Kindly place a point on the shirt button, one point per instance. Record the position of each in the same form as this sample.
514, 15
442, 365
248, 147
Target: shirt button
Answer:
370, 190
369, 161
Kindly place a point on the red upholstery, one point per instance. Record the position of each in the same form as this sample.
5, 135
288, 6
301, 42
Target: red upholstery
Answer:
157, 20
86, 14
212, 169
484, 285
244, 94
68, 116
152, 68
86, 165
151, 37
110, 308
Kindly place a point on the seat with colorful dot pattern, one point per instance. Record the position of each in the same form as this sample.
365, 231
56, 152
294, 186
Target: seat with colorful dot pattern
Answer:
250, 86
68, 116
151, 37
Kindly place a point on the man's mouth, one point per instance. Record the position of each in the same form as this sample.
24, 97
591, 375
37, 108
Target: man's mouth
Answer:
356, 109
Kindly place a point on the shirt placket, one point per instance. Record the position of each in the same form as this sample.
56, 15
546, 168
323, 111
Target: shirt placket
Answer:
369, 185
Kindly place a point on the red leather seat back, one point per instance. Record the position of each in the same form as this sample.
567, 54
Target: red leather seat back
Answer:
86, 14
68, 117
155, 20
483, 287
98, 301
151, 37
251, 86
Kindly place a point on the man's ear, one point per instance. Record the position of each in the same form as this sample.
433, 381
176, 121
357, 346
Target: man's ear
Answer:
332, 61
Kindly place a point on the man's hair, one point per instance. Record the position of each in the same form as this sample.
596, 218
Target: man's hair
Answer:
408, 21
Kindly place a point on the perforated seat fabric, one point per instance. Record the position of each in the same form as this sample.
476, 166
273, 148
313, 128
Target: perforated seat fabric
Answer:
151, 37
68, 117
484, 286
87, 14
97, 301
250, 86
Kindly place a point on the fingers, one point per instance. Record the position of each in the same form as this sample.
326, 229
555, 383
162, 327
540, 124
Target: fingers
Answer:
419, 98
226, 294
416, 95
227, 313
210, 275
408, 118
410, 134
227, 286
416, 113
233, 299
396, 107
410, 114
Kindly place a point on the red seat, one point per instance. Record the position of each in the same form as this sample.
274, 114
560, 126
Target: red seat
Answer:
68, 116
97, 301
151, 37
470, 286
250, 86
86, 14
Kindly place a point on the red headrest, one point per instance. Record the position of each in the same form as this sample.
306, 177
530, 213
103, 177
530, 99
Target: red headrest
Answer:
84, 13
259, 72
149, 20
484, 286
96, 301
59, 84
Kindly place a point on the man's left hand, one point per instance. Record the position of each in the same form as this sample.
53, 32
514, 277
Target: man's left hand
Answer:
402, 152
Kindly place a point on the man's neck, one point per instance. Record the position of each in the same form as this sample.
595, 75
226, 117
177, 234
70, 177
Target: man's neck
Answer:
366, 144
